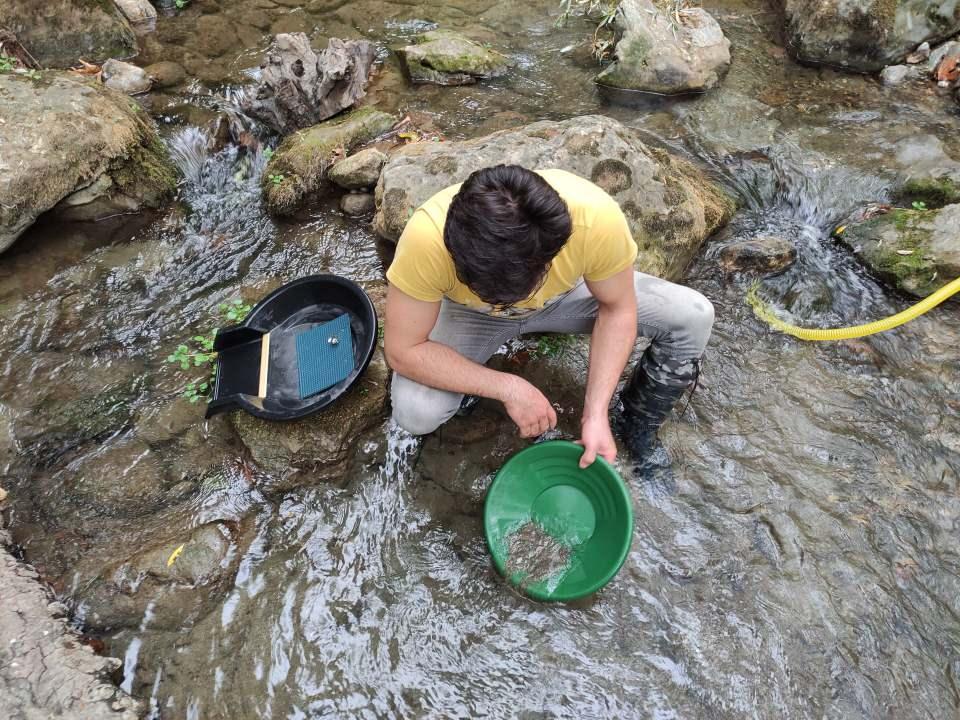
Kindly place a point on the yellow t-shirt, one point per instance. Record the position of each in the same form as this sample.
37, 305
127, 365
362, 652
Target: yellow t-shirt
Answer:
599, 247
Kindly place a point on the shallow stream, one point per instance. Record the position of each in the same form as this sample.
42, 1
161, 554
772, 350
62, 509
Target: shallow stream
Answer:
798, 559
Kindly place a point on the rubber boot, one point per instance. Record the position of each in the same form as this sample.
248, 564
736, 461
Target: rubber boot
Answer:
646, 404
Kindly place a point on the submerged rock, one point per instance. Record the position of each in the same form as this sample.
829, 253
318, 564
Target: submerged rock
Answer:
299, 87
358, 204
916, 250
864, 35
670, 204
893, 75
60, 32
299, 166
166, 73
766, 255
163, 586
125, 77
361, 170
666, 52
444, 57
321, 443
70, 140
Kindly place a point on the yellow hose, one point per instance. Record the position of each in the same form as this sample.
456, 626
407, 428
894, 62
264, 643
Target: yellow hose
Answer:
763, 311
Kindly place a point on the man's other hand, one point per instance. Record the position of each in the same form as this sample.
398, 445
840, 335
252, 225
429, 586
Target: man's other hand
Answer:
528, 408
596, 438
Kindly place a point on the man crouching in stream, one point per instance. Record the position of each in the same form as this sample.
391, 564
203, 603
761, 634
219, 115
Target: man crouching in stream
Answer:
511, 251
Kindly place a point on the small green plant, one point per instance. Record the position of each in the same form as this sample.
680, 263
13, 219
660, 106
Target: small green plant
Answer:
918, 205
276, 179
181, 4
198, 352
33, 74
552, 346
6, 64
267, 154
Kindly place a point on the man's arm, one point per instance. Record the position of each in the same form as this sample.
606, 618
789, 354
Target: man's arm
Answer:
614, 335
411, 353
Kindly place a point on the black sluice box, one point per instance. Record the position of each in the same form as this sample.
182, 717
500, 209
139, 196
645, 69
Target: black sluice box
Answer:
257, 360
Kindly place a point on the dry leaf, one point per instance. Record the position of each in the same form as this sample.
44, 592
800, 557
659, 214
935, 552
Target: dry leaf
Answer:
174, 555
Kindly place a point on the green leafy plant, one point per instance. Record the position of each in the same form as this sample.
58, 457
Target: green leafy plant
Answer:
6, 64
181, 4
552, 346
33, 74
918, 205
267, 154
198, 352
276, 179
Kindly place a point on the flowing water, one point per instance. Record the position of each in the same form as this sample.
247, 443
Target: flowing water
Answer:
798, 559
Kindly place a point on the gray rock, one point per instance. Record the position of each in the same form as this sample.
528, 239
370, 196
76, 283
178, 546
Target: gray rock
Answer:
45, 670
60, 32
358, 204
670, 205
361, 170
947, 49
916, 251
322, 443
893, 75
924, 157
62, 135
140, 13
299, 166
125, 77
443, 57
765, 255
299, 87
666, 52
166, 73
864, 35
921, 53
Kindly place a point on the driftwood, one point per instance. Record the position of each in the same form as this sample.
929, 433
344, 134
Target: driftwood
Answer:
299, 87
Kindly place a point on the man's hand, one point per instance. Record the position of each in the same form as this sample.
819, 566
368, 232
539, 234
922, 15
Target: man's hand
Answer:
596, 438
528, 408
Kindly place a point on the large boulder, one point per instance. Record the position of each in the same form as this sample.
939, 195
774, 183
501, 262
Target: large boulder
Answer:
320, 444
444, 57
666, 52
72, 142
864, 35
298, 167
300, 87
670, 205
60, 32
916, 250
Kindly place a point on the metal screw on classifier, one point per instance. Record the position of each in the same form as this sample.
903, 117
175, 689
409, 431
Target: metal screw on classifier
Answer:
333, 340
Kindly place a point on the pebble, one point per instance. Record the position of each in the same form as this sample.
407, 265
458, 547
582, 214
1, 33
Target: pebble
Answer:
894, 74
125, 77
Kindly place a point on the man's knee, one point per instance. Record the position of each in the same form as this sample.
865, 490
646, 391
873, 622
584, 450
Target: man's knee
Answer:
694, 318
687, 315
419, 409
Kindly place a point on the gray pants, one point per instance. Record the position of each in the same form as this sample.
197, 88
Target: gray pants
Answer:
676, 319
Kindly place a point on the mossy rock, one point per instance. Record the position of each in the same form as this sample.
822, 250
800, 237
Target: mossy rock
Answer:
443, 57
60, 32
934, 193
916, 251
71, 143
298, 167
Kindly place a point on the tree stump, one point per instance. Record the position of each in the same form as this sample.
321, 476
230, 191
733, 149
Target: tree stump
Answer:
299, 88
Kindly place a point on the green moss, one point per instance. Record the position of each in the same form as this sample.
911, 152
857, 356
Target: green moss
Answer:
933, 192
146, 171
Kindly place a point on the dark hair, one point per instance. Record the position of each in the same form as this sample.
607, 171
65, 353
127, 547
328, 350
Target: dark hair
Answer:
503, 228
